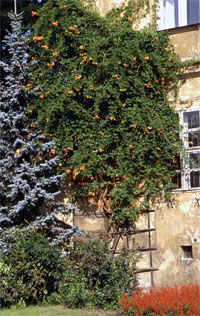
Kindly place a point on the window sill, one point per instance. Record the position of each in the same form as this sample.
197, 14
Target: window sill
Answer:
186, 190
183, 28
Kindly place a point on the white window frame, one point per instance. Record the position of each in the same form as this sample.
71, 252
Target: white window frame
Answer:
186, 168
166, 14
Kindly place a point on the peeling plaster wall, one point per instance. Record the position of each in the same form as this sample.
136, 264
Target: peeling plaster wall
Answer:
104, 6
186, 41
178, 224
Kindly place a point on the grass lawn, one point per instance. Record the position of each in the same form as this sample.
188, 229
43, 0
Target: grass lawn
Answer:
58, 310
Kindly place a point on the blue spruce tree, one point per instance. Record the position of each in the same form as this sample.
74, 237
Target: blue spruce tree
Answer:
29, 183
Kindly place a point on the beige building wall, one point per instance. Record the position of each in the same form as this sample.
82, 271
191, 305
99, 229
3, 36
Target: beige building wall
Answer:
104, 6
177, 235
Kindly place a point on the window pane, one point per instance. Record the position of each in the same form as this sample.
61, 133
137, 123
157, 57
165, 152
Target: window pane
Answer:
194, 179
192, 11
167, 13
177, 180
192, 118
178, 162
195, 160
176, 13
194, 139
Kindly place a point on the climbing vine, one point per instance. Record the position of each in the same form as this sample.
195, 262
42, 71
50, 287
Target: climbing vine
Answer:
102, 92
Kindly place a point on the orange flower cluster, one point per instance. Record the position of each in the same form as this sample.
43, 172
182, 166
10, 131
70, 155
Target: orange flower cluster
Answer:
183, 301
115, 76
66, 31
63, 7
33, 13
52, 64
45, 47
55, 53
37, 38
69, 91
55, 23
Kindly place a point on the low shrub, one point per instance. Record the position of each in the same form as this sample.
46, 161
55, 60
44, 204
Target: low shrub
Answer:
166, 301
96, 278
30, 271
33, 272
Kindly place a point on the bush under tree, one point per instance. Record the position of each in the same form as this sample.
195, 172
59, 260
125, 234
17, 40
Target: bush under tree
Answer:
33, 272
30, 271
96, 278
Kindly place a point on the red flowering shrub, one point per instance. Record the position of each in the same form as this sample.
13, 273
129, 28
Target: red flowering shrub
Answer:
166, 301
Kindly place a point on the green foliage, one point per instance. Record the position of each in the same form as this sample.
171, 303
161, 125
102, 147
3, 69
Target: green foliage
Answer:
33, 273
95, 278
31, 270
103, 90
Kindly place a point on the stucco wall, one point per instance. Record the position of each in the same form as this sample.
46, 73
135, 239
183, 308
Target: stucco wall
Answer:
104, 6
178, 224
186, 41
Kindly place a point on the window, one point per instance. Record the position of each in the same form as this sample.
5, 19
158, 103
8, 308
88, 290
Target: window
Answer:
189, 177
176, 13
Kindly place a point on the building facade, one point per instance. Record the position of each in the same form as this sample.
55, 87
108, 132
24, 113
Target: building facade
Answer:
169, 235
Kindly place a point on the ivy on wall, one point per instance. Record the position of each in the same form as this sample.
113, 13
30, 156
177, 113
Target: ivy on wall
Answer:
102, 92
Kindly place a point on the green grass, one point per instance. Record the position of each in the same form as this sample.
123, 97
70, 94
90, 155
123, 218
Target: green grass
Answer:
58, 310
